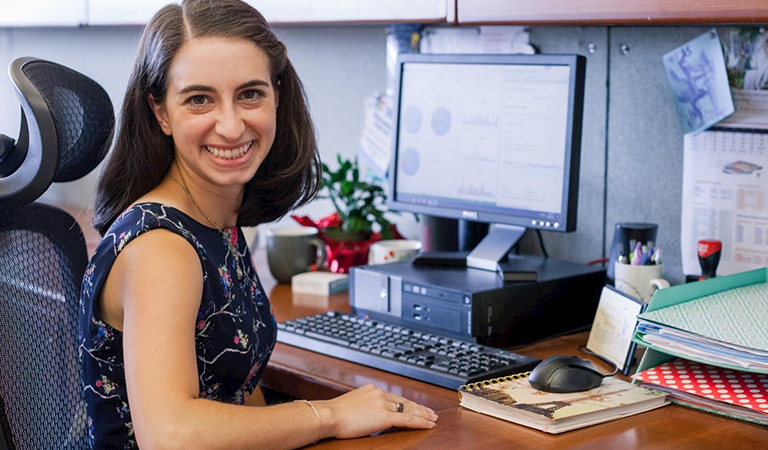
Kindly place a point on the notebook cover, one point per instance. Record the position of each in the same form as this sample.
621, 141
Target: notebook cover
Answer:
556, 413
718, 390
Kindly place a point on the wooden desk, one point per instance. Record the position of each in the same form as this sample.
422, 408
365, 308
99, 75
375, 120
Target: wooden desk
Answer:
304, 374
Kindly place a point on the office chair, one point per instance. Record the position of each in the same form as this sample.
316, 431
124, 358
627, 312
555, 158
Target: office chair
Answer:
66, 128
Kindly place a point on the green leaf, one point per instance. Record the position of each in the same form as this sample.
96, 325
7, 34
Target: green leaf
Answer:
360, 204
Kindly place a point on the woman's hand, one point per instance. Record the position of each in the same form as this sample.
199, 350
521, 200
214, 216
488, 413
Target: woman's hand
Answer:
369, 409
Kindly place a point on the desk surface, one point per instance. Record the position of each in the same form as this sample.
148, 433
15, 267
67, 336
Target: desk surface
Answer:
304, 374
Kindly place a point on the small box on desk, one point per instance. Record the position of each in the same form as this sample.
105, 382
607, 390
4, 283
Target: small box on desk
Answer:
320, 283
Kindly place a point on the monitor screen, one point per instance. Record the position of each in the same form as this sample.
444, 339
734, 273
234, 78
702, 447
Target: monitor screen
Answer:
489, 138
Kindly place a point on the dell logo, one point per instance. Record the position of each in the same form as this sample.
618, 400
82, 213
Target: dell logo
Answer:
469, 214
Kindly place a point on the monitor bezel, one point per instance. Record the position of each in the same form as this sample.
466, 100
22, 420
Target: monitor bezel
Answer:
569, 206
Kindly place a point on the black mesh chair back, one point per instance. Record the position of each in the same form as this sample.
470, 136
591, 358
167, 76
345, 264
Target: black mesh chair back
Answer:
67, 122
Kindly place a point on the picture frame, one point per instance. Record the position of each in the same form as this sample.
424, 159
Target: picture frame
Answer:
614, 326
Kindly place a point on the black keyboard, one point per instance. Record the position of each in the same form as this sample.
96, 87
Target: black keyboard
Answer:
424, 356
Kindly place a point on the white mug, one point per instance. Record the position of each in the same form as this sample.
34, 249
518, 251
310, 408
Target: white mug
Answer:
392, 250
639, 281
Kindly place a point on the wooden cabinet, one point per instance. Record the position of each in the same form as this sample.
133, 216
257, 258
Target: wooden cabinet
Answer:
611, 12
357, 11
462, 12
138, 12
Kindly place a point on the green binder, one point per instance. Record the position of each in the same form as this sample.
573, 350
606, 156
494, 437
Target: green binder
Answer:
731, 309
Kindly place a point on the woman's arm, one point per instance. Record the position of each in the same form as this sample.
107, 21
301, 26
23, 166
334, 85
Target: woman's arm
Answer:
157, 280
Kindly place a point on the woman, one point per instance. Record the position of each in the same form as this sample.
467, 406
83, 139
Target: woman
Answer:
175, 328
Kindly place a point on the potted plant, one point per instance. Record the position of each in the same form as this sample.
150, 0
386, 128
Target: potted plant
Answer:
359, 218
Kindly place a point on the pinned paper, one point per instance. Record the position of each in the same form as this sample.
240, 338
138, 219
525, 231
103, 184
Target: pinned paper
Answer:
375, 150
699, 82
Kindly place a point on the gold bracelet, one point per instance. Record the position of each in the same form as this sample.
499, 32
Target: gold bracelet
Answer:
319, 421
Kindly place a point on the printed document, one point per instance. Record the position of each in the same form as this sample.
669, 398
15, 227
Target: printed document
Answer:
725, 197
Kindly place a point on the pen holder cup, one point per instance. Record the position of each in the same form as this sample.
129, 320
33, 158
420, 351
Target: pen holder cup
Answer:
624, 236
639, 281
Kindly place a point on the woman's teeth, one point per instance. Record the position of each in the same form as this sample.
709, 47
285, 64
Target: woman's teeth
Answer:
229, 154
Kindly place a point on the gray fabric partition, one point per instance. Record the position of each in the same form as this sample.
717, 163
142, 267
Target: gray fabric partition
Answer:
632, 149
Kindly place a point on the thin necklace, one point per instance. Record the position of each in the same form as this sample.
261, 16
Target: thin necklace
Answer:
227, 234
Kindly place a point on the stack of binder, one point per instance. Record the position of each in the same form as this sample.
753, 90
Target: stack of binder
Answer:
708, 345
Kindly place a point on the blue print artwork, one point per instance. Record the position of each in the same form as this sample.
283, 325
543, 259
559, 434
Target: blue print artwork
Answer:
699, 82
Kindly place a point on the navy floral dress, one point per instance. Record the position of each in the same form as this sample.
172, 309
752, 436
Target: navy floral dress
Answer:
235, 329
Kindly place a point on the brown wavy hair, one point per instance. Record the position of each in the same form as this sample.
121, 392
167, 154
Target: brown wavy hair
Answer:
289, 176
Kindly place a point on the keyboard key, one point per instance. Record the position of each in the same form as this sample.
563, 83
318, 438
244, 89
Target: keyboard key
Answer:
326, 338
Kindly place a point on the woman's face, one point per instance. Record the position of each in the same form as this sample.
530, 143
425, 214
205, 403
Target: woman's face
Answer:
220, 108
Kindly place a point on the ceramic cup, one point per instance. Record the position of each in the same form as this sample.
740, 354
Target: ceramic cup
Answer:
639, 281
293, 250
392, 250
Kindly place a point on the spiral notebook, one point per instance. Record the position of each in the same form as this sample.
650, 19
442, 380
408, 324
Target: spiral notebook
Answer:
513, 399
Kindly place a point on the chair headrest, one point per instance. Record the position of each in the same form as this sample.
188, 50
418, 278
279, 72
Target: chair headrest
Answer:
67, 121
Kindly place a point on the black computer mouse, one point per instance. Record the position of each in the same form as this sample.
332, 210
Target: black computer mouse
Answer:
564, 374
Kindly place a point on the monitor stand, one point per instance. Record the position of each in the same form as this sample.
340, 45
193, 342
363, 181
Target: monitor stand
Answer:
490, 254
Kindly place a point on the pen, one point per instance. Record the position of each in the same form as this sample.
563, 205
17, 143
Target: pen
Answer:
622, 257
637, 256
656, 256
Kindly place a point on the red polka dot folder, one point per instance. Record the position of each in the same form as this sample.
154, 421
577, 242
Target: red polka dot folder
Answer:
732, 393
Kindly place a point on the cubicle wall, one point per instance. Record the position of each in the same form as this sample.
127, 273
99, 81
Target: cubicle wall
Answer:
645, 138
632, 141
632, 150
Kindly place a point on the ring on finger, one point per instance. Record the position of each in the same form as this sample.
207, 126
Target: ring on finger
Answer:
399, 406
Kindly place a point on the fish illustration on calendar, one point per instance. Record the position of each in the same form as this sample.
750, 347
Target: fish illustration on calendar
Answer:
741, 168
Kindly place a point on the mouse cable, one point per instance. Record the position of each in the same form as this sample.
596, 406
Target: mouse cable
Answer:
584, 349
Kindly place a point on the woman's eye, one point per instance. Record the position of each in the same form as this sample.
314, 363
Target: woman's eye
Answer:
251, 94
197, 100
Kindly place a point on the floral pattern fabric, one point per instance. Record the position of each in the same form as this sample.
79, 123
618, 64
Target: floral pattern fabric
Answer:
235, 329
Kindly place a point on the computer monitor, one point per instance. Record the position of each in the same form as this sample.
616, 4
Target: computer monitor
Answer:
489, 138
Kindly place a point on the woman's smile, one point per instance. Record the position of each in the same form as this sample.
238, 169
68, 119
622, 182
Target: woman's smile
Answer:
229, 152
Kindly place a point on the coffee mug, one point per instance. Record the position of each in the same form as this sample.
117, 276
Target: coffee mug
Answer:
393, 250
293, 250
639, 281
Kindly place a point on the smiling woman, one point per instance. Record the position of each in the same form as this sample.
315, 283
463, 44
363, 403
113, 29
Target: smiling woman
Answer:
222, 123
175, 328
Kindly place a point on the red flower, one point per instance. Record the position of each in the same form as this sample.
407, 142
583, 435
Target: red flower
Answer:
237, 340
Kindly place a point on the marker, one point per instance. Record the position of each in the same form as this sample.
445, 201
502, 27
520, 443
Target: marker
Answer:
651, 252
637, 255
621, 258
656, 257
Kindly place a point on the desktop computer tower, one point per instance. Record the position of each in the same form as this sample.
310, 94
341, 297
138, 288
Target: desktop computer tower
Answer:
476, 305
